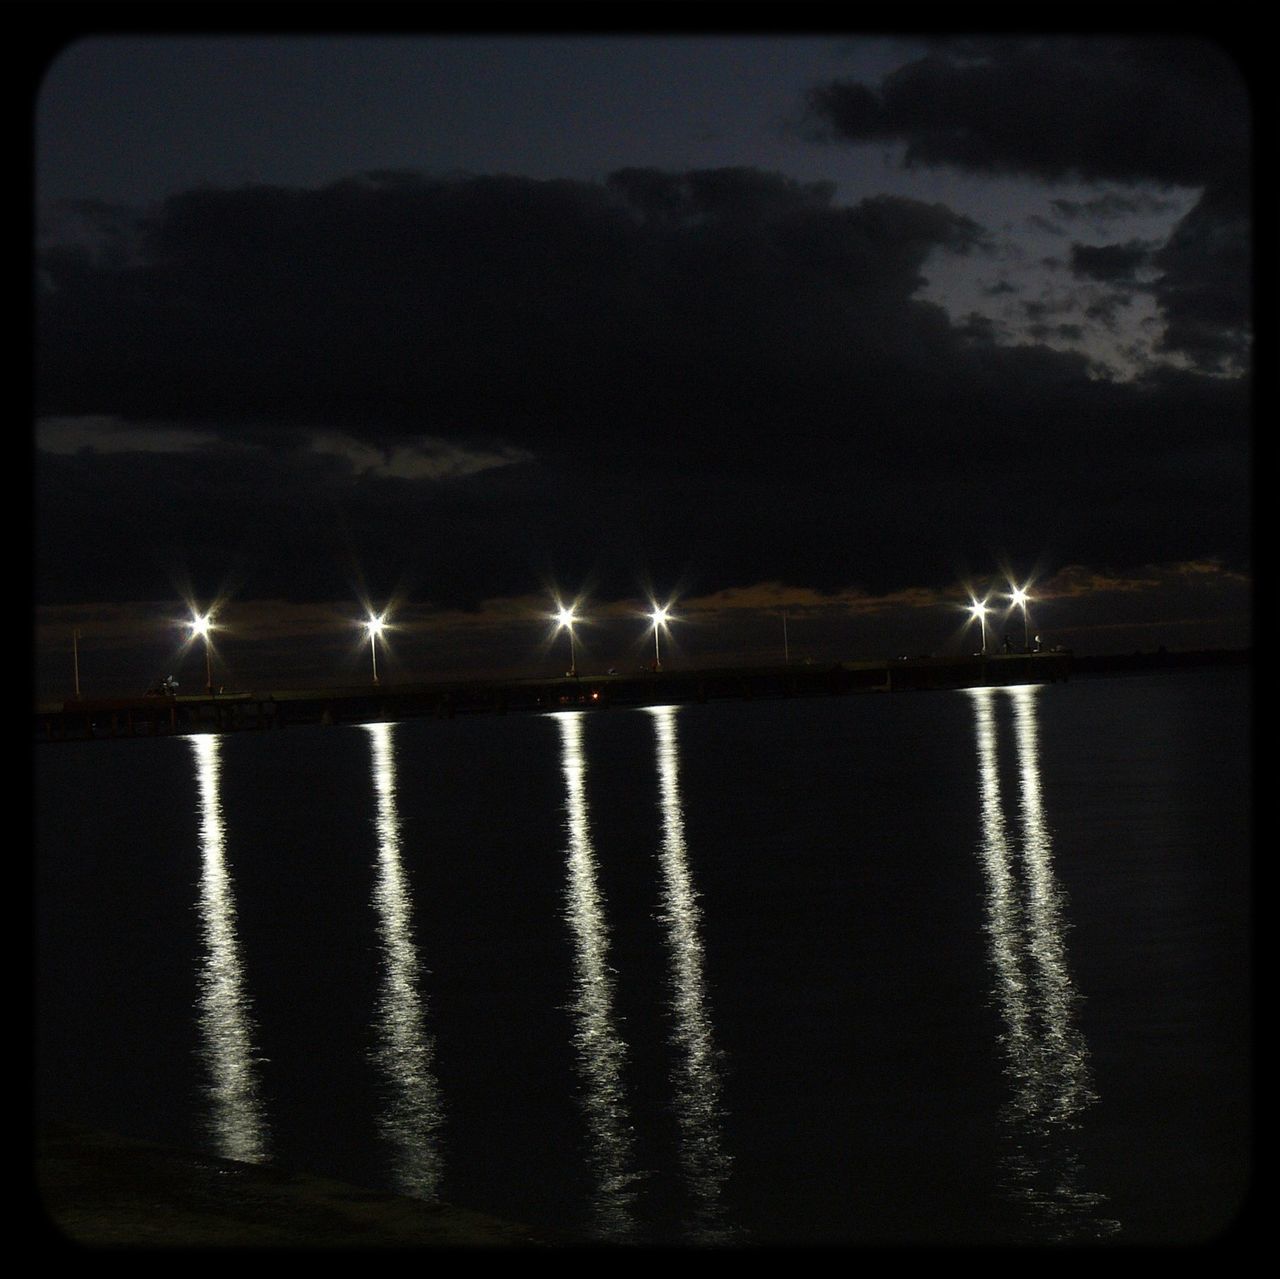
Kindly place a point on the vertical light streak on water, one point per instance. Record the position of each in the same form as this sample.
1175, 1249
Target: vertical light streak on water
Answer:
236, 1119
696, 1081
410, 1120
1066, 1074
1045, 1056
1004, 915
1047, 1168
600, 1051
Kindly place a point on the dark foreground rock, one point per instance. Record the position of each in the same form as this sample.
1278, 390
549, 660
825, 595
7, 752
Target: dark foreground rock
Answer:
97, 1190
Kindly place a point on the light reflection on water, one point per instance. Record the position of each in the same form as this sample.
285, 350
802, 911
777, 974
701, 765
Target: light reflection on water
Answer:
410, 1119
600, 1051
1046, 1055
696, 1072
1118, 793
236, 1121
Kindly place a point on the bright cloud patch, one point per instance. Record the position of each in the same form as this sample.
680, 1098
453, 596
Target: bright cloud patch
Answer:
425, 458
104, 434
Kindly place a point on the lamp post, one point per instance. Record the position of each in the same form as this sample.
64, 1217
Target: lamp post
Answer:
979, 610
201, 626
566, 618
75, 655
659, 619
1019, 598
375, 627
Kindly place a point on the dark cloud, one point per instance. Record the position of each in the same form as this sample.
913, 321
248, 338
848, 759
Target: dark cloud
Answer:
977, 328
1069, 332
1106, 308
490, 308
1162, 110
1113, 205
1044, 224
1109, 262
476, 385
1170, 112
1205, 287
1040, 308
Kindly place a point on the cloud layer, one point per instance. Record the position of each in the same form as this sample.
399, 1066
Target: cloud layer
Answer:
721, 381
479, 384
1164, 112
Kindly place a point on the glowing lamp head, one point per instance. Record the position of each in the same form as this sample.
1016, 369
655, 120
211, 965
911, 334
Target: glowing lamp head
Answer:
659, 615
1019, 597
565, 617
374, 626
201, 625
978, 610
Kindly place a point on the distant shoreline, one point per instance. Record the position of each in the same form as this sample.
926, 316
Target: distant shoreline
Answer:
160, 715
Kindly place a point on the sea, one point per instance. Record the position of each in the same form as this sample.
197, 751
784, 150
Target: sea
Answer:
935, 968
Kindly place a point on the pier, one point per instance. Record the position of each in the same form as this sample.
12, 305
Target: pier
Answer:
80, 719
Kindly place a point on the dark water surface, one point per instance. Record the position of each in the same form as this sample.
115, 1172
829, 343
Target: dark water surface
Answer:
937, 967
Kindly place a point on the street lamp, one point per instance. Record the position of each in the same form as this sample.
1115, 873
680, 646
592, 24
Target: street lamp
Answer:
565, 617
659, 619
1019, 598
979, 610
201, 626
375, 627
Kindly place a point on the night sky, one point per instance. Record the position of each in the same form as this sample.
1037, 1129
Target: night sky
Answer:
847, 327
